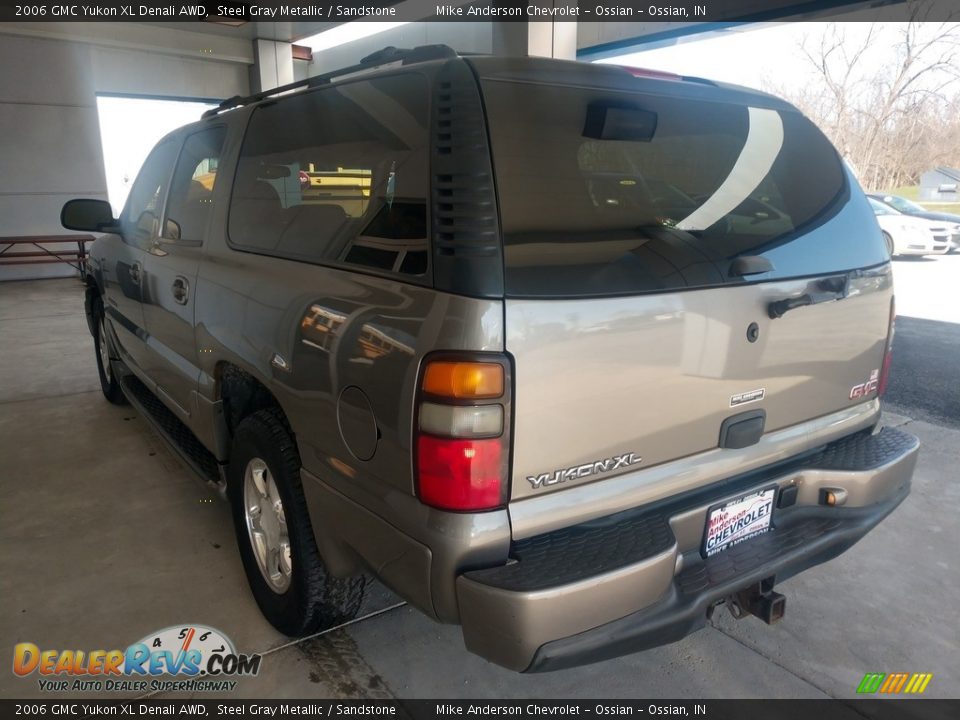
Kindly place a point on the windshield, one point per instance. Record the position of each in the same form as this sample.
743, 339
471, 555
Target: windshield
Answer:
880, 209
902, 204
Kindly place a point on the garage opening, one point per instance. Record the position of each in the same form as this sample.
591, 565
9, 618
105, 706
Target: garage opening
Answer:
130, 127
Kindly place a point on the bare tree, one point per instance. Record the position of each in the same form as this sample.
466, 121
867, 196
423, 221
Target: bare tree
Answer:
892, 119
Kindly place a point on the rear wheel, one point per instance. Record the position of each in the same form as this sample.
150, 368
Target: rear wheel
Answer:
101, 341
286, 574
889, 241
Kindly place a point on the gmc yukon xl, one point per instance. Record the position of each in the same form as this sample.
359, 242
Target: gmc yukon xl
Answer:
567, 354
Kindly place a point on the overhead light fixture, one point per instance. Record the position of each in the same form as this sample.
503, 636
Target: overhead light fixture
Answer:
348, 32
225, 21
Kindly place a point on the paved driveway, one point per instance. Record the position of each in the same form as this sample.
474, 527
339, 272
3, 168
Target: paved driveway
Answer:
107, 537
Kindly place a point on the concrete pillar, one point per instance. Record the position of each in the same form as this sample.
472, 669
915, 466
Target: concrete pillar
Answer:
272, 65
552, 39
541, 38
49, 142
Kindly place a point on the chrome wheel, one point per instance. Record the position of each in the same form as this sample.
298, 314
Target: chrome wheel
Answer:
266, 525
104, 355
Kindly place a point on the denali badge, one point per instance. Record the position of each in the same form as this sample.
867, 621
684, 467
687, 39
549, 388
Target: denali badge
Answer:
864, 389
747, 397
582, 471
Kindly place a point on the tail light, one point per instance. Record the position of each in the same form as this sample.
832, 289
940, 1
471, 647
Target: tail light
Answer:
888, 352
462, 432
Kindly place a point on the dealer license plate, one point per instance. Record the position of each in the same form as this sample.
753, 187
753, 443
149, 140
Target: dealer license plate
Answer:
737, 520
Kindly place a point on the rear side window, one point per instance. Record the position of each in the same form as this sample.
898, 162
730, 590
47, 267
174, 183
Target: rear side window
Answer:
338, 175
606, 193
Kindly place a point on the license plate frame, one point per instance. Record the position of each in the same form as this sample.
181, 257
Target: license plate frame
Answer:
760, 501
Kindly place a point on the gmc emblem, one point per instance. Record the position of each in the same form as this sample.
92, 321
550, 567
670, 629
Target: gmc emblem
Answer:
864, 389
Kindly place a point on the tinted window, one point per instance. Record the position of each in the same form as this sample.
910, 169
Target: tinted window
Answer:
612, 193
338, 175
141, 218
191, 192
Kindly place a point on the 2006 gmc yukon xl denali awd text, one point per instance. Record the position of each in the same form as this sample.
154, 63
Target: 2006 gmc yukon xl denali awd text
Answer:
567, 354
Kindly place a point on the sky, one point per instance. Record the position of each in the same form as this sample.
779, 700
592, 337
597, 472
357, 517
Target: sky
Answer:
757, 53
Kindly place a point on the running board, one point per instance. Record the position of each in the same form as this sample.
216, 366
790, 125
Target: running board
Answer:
177, 435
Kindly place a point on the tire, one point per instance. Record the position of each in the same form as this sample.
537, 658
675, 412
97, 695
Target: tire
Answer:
890, 246
293, 589
104, 351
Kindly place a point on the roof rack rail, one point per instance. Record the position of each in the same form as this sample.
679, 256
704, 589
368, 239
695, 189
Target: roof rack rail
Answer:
389, 54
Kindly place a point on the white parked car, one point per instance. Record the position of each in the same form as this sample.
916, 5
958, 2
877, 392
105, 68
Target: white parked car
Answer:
951, 220
906, 235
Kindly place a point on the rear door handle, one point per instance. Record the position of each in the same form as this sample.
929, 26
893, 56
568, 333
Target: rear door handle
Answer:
181, 290
834, 288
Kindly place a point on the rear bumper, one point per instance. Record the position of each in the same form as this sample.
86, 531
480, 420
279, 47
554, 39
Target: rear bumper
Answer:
637, 579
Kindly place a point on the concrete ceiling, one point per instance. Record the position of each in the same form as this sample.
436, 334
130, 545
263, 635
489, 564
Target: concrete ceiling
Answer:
285, 31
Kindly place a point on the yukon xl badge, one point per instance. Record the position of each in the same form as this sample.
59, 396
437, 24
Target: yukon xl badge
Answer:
581, 471
747, 397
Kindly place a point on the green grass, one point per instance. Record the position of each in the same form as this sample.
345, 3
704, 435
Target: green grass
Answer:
910, 192
942, 207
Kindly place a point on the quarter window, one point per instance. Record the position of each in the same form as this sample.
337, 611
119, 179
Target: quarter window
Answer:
338, 175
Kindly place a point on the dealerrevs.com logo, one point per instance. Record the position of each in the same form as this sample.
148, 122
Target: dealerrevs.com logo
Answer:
199, 658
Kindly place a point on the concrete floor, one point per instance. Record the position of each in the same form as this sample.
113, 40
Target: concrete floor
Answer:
926, 344
107, 538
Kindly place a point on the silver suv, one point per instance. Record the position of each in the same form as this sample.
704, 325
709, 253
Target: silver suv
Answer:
567, 354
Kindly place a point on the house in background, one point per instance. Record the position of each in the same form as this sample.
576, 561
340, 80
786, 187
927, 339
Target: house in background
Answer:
941, 184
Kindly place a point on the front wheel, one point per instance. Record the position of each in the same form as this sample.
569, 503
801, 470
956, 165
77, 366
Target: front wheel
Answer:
101, 342
286, 574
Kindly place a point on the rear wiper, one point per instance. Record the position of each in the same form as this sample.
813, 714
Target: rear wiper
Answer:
834, 288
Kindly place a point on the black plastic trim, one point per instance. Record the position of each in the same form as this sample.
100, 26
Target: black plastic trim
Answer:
606, 544
812, 536
467, 251
743, 429
574, 553
180, 437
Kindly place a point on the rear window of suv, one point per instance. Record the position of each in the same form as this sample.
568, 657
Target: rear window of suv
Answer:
605, 193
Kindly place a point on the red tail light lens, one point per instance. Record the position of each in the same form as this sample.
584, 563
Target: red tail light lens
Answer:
460, 474
462, 432
884, 374
888, 352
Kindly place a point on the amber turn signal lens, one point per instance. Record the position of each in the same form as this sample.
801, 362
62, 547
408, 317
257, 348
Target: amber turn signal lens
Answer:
464, 380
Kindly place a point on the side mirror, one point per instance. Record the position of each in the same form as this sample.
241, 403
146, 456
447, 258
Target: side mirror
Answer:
91, 215
172, 231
